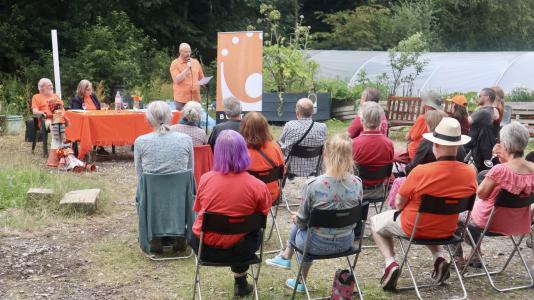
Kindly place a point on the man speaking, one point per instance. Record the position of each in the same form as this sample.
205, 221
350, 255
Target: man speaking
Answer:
185, 73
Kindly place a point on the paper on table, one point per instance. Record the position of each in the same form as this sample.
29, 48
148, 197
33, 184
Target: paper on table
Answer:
204, 80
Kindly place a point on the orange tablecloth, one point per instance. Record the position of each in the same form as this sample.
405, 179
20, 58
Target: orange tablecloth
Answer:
107, 127
203, 161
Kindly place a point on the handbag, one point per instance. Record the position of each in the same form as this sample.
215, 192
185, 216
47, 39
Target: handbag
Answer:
343, 286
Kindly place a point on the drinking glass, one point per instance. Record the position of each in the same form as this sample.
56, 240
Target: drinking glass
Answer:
124, 105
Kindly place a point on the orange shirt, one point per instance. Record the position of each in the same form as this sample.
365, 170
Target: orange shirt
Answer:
259, 163
441, 179
89, 104
40, 102
187, 89
416, 134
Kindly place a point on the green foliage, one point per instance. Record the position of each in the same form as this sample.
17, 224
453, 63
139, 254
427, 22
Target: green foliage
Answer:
339, 90
14, 95
520, 94
155, 89
15, 183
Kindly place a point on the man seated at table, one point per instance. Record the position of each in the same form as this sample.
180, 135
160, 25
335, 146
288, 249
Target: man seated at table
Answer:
446, 177
314, 134
232, 110
41, 105
372, 147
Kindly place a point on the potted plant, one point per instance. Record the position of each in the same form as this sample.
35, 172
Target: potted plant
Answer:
287, 74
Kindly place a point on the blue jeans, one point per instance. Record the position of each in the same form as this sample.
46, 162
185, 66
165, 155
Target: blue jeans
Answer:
318, 245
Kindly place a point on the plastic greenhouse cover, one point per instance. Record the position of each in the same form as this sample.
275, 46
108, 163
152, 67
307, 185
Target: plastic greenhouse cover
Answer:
446, 71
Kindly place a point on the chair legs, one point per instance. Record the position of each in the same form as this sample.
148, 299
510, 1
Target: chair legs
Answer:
415, 286
274, 227
488, 273
154, 258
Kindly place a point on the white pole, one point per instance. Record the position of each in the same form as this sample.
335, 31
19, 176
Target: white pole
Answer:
55, 54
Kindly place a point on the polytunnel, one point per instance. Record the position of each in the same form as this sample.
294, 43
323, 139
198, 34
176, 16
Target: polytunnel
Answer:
447, 72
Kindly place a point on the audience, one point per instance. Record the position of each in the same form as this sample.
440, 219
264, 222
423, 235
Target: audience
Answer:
514, 174
231, 191
446, 177
264, 153
482, 131
431, 100
337, 189
190, 123
356, 128
372, 148
459, 112
308, 132
232, 110
162, 151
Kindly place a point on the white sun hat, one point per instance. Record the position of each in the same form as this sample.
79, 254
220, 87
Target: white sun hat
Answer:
447, 133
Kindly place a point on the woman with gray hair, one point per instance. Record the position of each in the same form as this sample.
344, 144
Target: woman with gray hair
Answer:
514, 174
190, 123
162, 151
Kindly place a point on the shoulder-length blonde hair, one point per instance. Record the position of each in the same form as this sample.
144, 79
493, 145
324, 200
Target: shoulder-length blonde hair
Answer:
338, 156
84, 83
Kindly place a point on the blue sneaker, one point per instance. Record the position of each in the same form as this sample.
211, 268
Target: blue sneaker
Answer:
279, 261
290, 283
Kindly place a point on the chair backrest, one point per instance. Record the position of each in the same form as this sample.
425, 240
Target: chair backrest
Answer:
306, 151
446, 205
509, 200
338, 218
374, 172
403, 110
233, 225
203, 160
268, 176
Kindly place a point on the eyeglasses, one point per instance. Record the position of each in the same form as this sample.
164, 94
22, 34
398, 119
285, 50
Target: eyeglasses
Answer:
480, 95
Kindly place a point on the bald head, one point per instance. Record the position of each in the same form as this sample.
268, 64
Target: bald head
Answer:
304, 108
185, 50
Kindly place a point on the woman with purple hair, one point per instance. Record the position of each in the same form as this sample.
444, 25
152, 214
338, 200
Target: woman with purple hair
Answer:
230, 190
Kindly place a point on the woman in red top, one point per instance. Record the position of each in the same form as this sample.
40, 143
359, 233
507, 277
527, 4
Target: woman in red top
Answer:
264, 154
230, 190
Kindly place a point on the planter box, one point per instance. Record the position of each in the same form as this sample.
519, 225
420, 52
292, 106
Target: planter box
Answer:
344, 110
271, 102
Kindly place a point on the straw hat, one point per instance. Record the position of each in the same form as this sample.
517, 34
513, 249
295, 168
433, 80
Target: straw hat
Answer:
433, 99
447, 133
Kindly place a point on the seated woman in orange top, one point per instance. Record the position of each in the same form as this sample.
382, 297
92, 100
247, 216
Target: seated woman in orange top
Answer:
85, 98
264, 153
431, 100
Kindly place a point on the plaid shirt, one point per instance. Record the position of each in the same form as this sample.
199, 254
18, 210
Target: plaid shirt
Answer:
293, 131
196, 133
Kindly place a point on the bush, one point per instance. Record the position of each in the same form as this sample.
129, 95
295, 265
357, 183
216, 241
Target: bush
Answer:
339, 90
520, 94
14, 95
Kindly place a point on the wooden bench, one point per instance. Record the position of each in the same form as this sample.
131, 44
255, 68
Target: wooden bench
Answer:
403, 111
523, 112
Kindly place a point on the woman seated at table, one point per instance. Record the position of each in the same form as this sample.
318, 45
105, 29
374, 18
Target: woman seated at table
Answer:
514, 174
86, 99
190, 123
337, 189
264, 153
231, 191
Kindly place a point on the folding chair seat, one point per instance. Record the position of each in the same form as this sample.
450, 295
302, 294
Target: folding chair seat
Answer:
39, 131
376, 173
439, 206
333, 219
504, 199
268, 176
227, 225
304, 152
165, 208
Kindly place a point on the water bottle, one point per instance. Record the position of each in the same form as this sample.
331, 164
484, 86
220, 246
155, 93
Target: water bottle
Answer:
118, 101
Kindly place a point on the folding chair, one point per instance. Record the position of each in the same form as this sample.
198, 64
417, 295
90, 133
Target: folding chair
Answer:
333, 219
376, 173
39, 130
439, 206
268, 176
230, 225
505, 199
165, 208
305, 152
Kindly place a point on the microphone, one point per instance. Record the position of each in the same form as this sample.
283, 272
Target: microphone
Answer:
189, 62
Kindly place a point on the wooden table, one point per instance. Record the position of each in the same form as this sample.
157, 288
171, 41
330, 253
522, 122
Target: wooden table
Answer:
107, 127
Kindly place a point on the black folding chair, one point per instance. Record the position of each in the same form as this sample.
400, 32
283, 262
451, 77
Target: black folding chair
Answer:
438, 206
306, 152
505, 199
333, 219
376, 173
230, 225
268, 176
39, 131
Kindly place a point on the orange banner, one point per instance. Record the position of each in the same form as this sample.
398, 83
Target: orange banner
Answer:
239, 69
